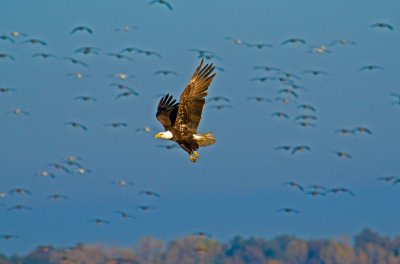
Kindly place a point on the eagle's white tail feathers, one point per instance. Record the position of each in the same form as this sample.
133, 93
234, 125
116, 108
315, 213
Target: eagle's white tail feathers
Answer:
204, 140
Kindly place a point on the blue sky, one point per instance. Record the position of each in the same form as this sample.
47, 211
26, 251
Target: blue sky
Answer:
236, 187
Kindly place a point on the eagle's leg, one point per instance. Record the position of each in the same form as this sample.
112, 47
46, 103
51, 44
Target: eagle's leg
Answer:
196, 154
192, 158
189, 150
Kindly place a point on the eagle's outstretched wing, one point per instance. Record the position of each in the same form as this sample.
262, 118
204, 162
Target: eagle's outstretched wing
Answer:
166, 111
192, 99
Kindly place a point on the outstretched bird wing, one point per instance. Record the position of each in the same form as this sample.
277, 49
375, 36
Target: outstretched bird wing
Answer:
192, 99
166, 111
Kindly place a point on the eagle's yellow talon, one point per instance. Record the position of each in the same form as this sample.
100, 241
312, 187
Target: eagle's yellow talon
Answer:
192, 158
196, 154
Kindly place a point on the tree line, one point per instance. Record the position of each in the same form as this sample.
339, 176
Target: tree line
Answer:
367, 247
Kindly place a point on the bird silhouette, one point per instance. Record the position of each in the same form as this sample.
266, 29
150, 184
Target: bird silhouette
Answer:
144, 129
288, 91
262, 79
235, 41
6, 56
307, 107
284, 100
145, 207
20, 191
267, 68
300, 149
141, 51
76, 62
57, 196
35, 42
293, 41
162, 2
17, 34
43, 55
220, 107
202, 53
286, 148
149, 193
78, 75
46, 174
72, 161
99, 221
280, 115
371, 68
123, 183
60, 167
81, 29
341, 190
88, 50
165, 72
342, 42
388, 178
382, 25
343, 131
315, 193
396, 95
323, 49
83, 171
316, 72
168, 147
306, 124
295, 185
18, 111
124, 215
7, 38
85, 98
218, 98
6, 90
258, 45
209, 57
76, 125
218, 68
20, 207
289, 210
288, 75
72, 158
126, 29
121, 86
126, 94
259, 99
116, 124
343, 155
396, 181
119, 56
8, 236
317, 187
361, 130
122, 76
305, 117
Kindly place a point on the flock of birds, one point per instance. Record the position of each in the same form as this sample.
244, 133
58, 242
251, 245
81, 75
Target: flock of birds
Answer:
69, 166
289, 93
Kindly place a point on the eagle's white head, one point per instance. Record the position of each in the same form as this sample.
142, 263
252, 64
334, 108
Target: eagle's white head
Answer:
164, 135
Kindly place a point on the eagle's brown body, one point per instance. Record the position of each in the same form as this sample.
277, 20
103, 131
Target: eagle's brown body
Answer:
182, 119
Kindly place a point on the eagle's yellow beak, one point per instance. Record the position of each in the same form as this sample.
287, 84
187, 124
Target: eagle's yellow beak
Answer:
158, 135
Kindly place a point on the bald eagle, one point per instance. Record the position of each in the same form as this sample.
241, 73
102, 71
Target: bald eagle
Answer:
181, 120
